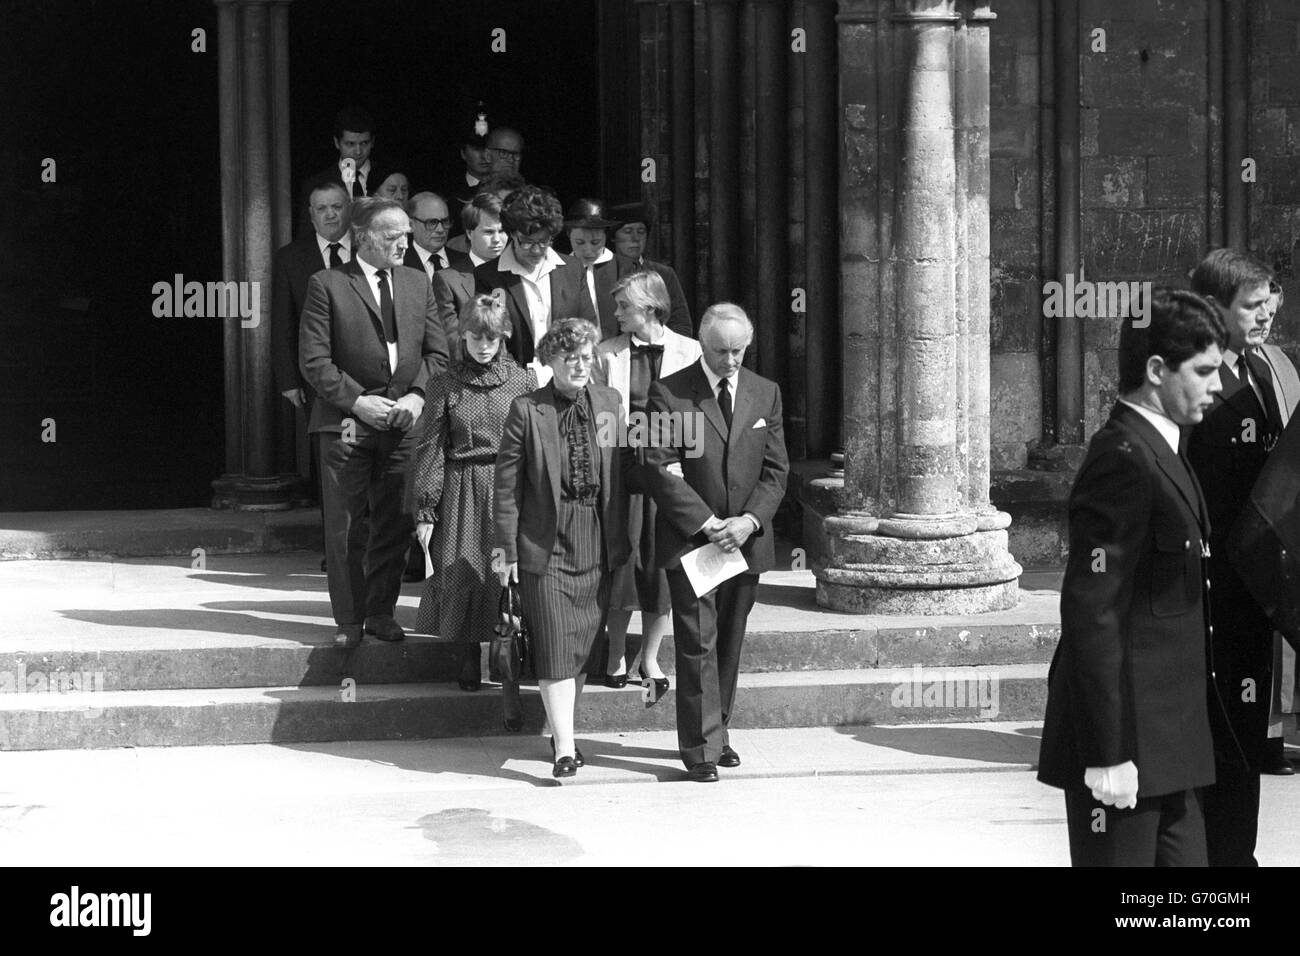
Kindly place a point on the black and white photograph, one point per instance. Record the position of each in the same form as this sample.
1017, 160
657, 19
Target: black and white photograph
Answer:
650, 433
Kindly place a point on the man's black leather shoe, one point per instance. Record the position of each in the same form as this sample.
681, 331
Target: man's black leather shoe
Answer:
703, 773
385, 628
348, 638
729, 758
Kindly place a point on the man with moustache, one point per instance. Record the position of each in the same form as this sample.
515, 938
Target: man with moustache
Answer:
368, 344
1228, 450
1127, 733
725, 492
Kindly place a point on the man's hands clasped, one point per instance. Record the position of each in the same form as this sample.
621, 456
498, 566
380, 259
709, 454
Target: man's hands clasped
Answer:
382, 414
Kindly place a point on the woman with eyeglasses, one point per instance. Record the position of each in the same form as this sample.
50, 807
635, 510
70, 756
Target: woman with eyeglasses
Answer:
541, 286
561, 518
464, 414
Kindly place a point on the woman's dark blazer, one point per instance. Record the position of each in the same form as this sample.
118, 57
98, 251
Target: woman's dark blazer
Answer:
528, 478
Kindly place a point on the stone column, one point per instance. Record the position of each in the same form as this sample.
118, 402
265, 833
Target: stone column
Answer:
914, 532
821, 153
253, 101
772, 219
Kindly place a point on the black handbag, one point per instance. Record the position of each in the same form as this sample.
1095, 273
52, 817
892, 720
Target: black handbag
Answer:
511, 652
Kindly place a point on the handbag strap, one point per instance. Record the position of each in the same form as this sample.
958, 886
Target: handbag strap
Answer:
509, 598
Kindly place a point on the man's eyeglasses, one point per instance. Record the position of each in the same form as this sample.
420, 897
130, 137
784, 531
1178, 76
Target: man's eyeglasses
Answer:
574, 360
537, 245
432, 224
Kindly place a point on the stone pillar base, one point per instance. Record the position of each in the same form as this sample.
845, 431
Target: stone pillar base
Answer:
952, 564
241, 493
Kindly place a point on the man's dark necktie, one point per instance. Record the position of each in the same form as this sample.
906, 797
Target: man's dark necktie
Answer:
336, 260
1263, 378
386, 312
724, 401
437, 263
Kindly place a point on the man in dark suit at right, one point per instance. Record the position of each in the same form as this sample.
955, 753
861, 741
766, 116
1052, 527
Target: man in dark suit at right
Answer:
725, 490
1228, 450
1127, 732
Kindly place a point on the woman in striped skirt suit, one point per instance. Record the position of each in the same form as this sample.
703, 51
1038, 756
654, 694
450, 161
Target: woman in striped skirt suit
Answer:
561, 517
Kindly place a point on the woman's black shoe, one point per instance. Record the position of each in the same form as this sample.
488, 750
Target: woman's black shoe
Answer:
577, 754
657, 689
616, 681
471, 674
565, 767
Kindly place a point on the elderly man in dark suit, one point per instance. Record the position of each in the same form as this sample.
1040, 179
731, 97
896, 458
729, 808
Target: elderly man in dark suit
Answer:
430, 227
542, 286
328, 247
729, 488
1228, 450
1127, 733
368, 344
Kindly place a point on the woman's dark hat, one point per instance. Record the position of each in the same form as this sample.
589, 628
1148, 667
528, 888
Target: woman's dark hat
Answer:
588, 214
631, 212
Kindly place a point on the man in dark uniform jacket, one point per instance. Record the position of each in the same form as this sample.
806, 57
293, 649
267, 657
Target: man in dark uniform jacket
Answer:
1228, 450
1127, 733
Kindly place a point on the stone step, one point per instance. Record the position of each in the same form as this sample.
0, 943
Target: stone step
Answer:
242, 715
234, 661
48, 535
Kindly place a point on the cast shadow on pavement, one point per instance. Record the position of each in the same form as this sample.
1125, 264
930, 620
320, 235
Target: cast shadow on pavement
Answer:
1001, 746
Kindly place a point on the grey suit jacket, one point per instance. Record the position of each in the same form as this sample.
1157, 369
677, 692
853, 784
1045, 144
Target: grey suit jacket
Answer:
341, 348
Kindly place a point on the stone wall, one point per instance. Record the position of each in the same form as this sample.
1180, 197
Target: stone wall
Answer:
1150, 152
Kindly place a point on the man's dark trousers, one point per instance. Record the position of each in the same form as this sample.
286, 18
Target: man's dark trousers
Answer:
1168, 830
365, 485
706, 683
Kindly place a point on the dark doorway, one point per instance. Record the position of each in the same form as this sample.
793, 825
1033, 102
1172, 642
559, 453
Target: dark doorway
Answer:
112, 91
420, 69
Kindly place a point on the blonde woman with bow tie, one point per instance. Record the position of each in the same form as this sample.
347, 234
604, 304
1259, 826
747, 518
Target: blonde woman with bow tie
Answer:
643, 352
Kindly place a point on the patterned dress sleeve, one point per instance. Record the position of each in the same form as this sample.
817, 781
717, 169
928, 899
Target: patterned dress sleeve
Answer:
431, 452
